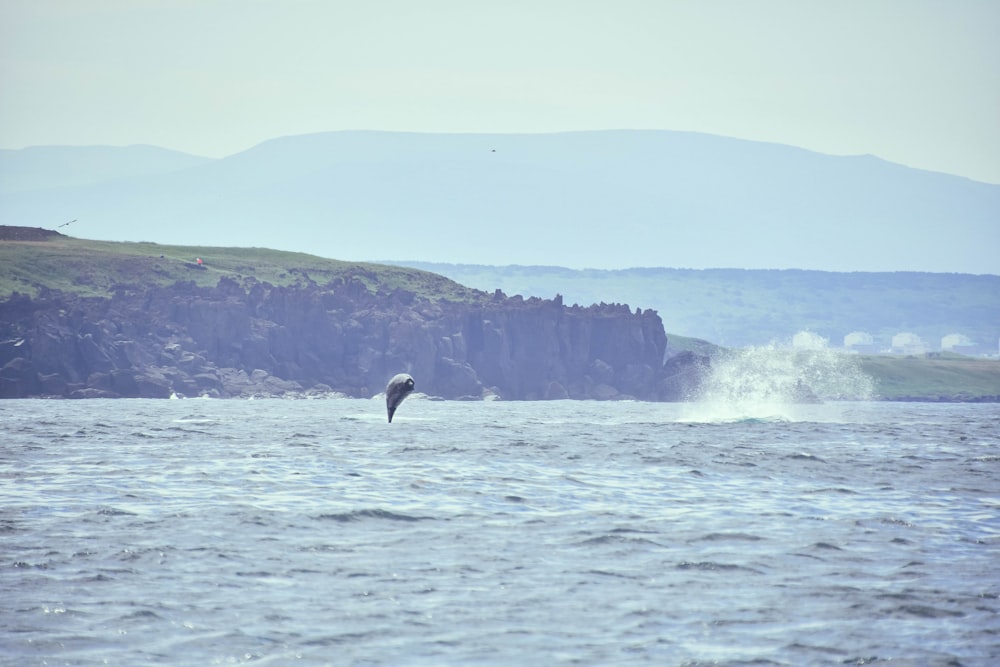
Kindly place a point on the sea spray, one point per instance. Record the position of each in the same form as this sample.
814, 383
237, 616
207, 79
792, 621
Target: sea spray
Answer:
772, 382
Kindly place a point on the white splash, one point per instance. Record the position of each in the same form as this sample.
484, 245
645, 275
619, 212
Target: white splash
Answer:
775, 383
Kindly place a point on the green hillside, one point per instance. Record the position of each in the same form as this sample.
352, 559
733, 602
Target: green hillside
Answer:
97, 268
934, 377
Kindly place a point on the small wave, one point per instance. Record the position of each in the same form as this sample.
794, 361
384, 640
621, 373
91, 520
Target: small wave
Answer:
813, 648
360, 515
717, 537
617, 539
634, 530
926, 611
345, 638
712, 566
803, 456
380, 417
304, 445
22, 564
141, 615
617, 575
723, 416
114, 511
769, 419
833, 489
893, 521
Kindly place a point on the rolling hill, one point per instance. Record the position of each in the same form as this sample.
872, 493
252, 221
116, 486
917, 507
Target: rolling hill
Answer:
605, 200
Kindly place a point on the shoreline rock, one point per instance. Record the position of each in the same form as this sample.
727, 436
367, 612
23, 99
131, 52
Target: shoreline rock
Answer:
256, 339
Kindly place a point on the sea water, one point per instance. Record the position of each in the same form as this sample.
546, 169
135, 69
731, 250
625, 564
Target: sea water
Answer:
282, 532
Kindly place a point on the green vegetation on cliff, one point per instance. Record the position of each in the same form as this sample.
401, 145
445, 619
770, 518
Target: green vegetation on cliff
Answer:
108, 320
35, 259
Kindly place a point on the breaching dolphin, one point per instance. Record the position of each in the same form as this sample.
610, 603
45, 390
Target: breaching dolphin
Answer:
399, 387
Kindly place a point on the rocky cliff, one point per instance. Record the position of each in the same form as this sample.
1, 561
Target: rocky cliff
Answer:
247, 337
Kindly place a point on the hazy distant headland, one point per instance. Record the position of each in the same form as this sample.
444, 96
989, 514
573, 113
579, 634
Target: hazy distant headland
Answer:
900, 312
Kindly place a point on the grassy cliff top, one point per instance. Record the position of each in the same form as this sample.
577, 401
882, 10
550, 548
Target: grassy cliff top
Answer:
935, 375
32, 259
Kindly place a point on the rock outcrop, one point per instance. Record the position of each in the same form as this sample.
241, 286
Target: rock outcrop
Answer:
254, 338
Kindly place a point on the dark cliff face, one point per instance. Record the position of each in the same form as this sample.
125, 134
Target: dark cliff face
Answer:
258, 339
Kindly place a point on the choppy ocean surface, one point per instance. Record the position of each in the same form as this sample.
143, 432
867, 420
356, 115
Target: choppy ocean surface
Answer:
277, 532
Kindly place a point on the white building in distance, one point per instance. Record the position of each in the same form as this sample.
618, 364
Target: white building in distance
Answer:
952, 341
860, 342
962, 344
908, 343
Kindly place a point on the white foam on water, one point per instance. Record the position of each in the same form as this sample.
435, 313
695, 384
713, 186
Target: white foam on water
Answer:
777, 384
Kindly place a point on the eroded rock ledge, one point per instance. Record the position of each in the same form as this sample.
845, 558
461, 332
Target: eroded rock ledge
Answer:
254, 338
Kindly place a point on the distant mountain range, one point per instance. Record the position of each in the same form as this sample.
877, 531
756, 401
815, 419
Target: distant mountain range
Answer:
607, 200
47, 168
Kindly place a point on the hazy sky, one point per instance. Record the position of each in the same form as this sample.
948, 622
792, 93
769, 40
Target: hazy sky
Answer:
915, 82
